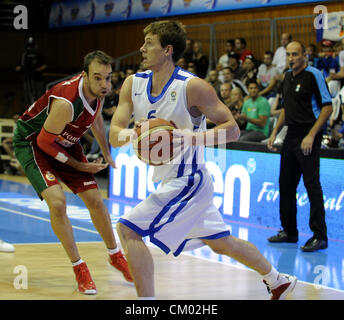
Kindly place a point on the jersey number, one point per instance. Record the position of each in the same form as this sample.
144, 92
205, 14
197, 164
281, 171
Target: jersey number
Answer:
151, 114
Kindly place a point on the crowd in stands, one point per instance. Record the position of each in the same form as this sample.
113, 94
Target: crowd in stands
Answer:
250, 88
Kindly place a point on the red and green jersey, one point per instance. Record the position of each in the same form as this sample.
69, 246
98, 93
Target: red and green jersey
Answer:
31, 122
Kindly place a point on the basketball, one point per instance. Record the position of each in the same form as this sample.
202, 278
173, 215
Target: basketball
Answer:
153, 142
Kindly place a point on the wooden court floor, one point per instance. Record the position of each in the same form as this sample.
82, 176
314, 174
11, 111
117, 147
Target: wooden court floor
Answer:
50, 277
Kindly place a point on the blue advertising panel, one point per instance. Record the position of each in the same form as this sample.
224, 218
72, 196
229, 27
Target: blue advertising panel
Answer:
245, 187
83, 12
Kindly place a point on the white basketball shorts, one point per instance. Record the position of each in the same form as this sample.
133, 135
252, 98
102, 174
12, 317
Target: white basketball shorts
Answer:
179, 214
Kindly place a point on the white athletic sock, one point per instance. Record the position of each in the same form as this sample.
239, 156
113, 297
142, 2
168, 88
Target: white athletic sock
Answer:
145, 298
113, 251
271, 278
80, 261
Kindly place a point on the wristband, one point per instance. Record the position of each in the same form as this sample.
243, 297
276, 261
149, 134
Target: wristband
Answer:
47, 142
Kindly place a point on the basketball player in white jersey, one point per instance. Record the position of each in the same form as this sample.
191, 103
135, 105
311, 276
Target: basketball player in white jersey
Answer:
180, 215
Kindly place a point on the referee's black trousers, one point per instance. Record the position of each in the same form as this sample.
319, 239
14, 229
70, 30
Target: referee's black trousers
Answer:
294, 164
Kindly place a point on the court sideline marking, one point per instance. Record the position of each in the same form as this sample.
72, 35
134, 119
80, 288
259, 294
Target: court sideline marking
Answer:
44, 219
209, 260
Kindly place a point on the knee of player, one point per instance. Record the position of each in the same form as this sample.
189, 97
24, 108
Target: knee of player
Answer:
225, 246
97, 205
57, 206
125, 233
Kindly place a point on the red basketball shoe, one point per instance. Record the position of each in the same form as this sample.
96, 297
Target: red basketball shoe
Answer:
84, 279
118, 261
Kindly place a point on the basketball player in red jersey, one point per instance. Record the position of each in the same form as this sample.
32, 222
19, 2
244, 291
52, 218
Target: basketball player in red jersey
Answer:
46, 143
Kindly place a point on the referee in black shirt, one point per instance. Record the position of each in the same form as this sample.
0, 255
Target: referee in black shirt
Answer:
307, 107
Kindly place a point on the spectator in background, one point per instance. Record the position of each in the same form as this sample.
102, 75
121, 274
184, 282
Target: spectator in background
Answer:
337, 137
228, 78
234, 64
224, 59
250, 70
280, 57
266, 76
31, 65
339, 76
188, 53
237, 102
129, 72
328, 64
213, 79
237, 97
256, 112
116, 81
312, 56
337, 48
225, 93
192, 68
241, 50
200, 59
182, 63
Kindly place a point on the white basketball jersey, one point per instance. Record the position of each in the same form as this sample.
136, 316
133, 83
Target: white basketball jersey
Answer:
171, 105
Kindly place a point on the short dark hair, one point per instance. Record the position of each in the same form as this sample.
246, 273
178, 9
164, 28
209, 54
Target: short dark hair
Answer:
228, 68
270, 53
313, 46
231, 41
251, 81
98, 55
169, 32
234, 56
242, 41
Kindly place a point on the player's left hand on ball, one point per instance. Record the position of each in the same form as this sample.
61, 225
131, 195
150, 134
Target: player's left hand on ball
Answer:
139, 122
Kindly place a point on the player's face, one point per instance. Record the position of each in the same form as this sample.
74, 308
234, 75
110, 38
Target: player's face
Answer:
152, 51
98, 79
295, 56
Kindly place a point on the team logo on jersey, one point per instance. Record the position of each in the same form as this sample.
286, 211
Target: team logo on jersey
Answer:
173, 95
49, 176
298, 87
